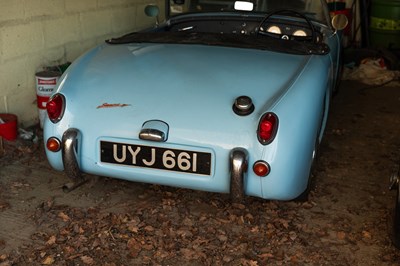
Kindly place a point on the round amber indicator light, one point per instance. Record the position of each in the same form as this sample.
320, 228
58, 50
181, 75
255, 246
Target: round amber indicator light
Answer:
53, 144
261, 168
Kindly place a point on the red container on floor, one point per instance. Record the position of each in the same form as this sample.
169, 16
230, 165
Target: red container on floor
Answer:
8, 129
349, 15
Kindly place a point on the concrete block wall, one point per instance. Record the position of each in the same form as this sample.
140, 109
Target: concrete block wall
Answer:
39, 33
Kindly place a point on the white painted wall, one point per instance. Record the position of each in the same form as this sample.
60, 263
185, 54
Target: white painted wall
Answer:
38, 33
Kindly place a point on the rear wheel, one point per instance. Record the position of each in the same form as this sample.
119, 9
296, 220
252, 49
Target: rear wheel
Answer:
303, 197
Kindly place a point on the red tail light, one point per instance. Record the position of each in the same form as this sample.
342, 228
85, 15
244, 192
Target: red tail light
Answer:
55, 107
267, 128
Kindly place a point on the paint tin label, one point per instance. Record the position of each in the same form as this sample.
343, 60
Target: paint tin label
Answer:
46, 81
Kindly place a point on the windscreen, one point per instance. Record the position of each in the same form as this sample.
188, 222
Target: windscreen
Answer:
314, 9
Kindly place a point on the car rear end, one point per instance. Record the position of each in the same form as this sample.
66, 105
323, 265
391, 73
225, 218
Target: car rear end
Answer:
185, 125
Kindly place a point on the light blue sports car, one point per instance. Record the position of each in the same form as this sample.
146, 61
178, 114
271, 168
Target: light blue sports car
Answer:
223, 96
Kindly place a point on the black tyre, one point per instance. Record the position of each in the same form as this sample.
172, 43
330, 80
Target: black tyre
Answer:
303, 197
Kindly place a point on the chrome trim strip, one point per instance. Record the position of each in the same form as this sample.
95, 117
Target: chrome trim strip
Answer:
152, 135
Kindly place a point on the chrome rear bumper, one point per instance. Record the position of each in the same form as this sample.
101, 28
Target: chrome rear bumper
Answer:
70, 148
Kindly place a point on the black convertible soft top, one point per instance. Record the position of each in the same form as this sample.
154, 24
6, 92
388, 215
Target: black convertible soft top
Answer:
225, 39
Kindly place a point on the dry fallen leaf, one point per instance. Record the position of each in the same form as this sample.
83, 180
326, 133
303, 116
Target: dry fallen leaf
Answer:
149, 228
239, 206
87, 260
48, 260
366, 234
266, 255
188, 253
249, 262
255, 229
133, 229
51, 241
133, 226
292, 235
68, 250
4, 205
284, 223
134, 247
148, 247
222, 238
341, 235
64, 217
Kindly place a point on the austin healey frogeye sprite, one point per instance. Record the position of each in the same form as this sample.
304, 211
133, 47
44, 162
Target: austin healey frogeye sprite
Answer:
223, 96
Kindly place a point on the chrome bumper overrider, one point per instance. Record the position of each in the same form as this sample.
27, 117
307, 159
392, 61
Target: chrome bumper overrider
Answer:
238, 167
395, 179
70, 159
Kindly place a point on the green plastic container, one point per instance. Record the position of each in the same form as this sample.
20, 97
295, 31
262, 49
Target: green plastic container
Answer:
385, 24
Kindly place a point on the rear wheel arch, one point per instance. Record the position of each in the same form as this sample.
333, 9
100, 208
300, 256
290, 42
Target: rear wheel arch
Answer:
315, 154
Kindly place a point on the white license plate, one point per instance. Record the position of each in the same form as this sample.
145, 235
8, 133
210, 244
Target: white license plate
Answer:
194, 162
